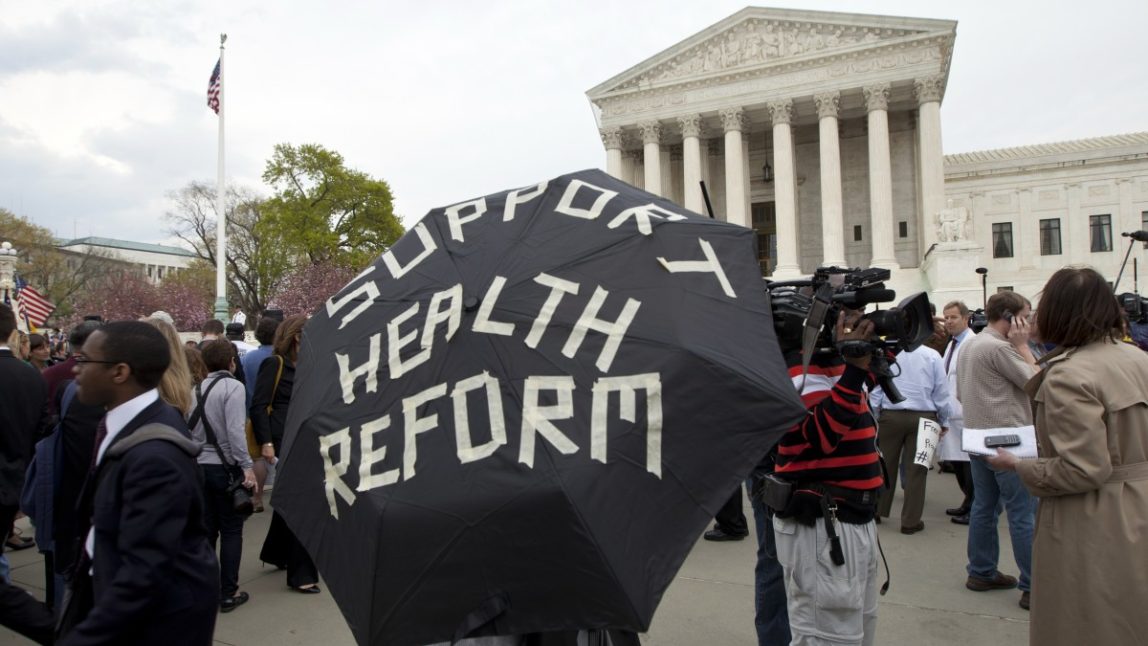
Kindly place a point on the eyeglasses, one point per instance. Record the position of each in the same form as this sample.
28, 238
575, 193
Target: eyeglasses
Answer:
84, 360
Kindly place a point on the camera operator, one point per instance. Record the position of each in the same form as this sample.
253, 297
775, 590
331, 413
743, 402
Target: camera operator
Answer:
824, 493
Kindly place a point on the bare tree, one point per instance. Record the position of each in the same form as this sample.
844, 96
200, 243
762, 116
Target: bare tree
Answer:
255, 259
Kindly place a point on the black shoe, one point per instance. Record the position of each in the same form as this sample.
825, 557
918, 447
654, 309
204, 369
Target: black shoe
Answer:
958, 511
311, 589
960, 520
1000, 581
718, 534
227, 605
914, 529
1023, 603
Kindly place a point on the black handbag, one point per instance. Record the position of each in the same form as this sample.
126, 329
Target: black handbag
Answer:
241, 500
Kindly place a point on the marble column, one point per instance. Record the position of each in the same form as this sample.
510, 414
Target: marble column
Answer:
832, 220
880, 177
651, 142
630, 161
612, 138
929, 91
784, 189
733, 122
692, 162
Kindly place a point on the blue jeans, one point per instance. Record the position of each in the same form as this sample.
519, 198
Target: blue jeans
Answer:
995, 488
771, 616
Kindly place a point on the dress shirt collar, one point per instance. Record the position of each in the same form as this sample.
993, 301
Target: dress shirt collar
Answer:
118, 417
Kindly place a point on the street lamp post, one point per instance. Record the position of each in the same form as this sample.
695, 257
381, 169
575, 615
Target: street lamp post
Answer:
984, 272
8, 257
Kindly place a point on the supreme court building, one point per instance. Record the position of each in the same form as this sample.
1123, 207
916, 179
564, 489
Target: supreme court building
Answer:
822, 132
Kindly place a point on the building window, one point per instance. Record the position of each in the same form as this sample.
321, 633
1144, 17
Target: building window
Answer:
1100, 232
856, 233
1144, 220
903, 229
1002, 240
1050, 237
1004, 288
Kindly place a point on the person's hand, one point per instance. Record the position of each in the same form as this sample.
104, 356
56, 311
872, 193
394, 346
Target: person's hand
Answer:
851, 327
268, 453
248, 478
1019, 331
1003, 460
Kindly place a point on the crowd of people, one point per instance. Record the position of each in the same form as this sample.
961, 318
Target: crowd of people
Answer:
1068, 376
139, 443
148, 453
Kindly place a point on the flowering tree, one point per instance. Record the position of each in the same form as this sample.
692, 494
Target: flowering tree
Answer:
188, 295
308, 286
118, 296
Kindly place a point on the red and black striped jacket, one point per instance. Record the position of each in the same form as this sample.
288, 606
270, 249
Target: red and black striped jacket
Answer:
836, 443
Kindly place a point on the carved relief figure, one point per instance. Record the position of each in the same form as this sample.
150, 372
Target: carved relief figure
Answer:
952, 223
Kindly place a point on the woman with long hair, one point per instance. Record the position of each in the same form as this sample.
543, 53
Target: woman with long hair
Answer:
175, 387
268, 415
1090, 552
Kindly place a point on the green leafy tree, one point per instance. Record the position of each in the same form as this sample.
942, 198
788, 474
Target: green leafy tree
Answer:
325, 211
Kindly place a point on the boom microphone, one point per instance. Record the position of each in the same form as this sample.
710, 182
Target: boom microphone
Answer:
1138, 236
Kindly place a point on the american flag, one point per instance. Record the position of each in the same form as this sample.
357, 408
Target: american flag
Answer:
213, 88
31, 305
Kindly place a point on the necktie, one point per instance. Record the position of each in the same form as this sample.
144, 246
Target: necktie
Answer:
952, 351
101, 433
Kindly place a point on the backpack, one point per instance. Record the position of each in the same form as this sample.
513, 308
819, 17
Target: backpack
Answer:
43, 477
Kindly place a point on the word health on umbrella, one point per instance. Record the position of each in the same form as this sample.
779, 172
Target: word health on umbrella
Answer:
368, 446
446, 308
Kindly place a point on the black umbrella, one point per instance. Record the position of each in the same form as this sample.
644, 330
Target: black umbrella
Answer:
520, 418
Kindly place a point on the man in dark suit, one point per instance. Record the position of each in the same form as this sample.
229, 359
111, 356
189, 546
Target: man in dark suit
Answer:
23, 396
154, 578
22, 399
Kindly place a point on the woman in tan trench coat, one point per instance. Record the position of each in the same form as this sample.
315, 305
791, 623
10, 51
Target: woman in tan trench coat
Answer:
1090, 405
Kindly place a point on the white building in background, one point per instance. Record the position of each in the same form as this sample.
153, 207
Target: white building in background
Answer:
154, 261
822, 132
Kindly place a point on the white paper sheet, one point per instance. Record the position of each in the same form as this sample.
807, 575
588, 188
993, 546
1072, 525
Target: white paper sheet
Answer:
973, 441
928, 437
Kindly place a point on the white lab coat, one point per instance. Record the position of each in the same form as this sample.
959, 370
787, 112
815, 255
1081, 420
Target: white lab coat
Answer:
950, 448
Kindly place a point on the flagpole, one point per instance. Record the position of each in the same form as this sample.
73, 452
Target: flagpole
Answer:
220, 214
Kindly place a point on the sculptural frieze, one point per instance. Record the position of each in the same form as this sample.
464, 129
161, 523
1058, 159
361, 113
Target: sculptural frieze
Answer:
757, 41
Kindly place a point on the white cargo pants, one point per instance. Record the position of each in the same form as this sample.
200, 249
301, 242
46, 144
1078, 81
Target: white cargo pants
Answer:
829, 605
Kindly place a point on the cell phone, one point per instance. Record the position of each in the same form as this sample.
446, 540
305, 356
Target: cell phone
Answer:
1007, 315
994, 441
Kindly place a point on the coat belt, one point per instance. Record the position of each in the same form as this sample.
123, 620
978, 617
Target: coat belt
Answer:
1129, 472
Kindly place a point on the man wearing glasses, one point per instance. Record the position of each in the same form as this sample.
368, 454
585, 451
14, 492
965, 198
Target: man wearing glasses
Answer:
146, 566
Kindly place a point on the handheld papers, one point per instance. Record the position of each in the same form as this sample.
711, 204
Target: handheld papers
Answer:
973, 441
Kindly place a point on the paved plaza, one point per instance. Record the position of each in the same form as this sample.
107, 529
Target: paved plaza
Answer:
710, 602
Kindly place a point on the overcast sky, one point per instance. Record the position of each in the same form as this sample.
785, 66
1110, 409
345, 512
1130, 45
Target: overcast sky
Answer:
103, 102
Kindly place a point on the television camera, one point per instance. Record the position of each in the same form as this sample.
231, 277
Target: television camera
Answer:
805, 316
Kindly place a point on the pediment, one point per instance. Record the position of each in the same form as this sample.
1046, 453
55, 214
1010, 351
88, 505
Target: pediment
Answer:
757, 37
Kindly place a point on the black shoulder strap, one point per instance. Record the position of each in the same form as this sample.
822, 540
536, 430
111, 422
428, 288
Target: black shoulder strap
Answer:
200, 396
199, 415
